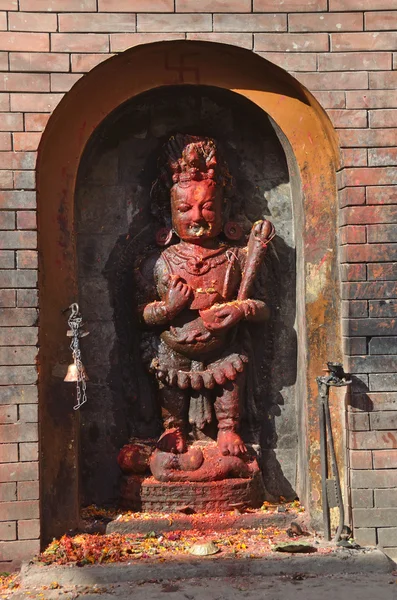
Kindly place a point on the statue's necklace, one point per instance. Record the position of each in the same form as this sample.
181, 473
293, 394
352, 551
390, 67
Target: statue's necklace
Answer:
198, 265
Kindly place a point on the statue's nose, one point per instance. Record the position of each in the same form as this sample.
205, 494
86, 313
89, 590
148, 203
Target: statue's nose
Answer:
197, 216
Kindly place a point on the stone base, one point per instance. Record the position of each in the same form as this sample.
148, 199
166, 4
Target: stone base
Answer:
149, 495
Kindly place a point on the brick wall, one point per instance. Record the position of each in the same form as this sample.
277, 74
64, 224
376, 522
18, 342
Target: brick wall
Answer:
345, 52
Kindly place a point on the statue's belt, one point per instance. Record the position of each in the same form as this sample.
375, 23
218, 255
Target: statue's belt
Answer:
219, 372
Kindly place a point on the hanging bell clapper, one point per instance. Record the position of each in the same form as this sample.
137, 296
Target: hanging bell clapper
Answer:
76, 371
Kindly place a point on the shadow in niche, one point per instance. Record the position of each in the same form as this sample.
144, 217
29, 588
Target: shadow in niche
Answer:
358, 396
121, 162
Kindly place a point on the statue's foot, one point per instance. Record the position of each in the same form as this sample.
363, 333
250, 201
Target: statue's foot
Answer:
172, 440
230, 443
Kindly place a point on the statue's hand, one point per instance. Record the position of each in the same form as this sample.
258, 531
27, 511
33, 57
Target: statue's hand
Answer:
177, 296
264, 231
221, 316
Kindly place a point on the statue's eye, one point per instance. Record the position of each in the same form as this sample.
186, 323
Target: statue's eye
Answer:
208, 206
184, 207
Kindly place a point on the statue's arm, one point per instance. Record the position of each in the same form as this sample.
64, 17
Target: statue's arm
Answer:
174, 293
254, 310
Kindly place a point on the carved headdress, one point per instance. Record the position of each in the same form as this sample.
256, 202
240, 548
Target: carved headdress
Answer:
183, 159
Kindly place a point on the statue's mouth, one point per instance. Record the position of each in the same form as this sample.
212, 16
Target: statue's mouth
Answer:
199, 230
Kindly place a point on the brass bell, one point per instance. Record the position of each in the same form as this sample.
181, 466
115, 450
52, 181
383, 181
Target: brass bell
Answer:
72, 373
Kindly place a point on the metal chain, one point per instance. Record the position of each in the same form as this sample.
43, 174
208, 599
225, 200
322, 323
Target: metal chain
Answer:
75, 322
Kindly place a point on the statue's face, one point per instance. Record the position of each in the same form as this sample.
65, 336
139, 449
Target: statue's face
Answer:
197, 210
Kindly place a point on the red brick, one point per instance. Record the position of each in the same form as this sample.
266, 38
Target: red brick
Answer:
4, 101
244, 40
19, 432
18, 355
382, 233
27, 259
356, 42
367, 137
368, 252
213, 6
19, 472
81, 63
325, 22
378, 21
375, 364
347, 61
19, 394
372, 99
371, 176
26, 219
7, 298
38, 61
3, 21
22, 317
292, 62
383, 118
18, 239
19, 550
382, 157
334, 81
7, 220
35, 102
87, 22
384, 420
354, 345
291, 42
289, 5
6, 180
28, 452
354, 272
24, 42
351, 197
385, 459
28, 490
57, 6
8, 492
361, 459
330, 99
363, 499
348, 118
137, 6
8, 414
5, 142
36, 121
27, 298
383, 308
26, 509
386, 80
8, 531
8, 453
250, 22
383, 271
28, 530
370, 290
79, 42
26, 141
19, 21
354, 157
175, 22
122, 41
353, 234
361, 4
9, 4
10, 122
16, 199
25, 180
28, 413
374, 401
363, 440
62, 82
7, 260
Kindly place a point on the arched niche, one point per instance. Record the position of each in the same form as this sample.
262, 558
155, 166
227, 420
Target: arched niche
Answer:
309, 144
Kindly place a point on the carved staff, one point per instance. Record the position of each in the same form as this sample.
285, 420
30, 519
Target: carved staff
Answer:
261, 234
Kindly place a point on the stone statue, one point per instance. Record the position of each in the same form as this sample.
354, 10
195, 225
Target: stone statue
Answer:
203, 281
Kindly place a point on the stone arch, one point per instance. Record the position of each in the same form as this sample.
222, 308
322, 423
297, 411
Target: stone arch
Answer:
310, 145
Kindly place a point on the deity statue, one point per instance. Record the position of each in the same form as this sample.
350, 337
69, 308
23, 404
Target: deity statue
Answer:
203, 284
